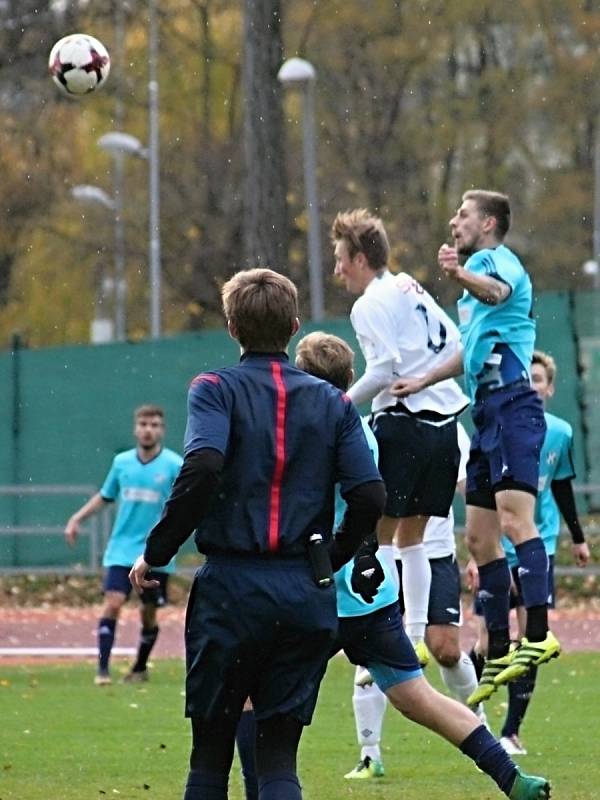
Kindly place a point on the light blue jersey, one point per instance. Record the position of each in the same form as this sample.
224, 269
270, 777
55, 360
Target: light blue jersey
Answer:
556, 464
350, 604
141, 491
511, 322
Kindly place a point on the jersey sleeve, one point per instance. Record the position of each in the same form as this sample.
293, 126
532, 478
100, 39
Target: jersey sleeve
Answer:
209, 414
354, 460
487, 263
110, 487
564, 466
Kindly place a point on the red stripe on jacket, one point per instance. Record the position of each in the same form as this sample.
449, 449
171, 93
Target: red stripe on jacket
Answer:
275, 499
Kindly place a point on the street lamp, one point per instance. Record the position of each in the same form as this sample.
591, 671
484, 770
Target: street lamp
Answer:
102, 326
119, 145
296, 72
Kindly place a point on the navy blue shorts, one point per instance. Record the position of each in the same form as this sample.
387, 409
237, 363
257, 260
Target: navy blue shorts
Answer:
418, 462
444, 595
505, 448
516, 598
116, 579
379, 639
261, 628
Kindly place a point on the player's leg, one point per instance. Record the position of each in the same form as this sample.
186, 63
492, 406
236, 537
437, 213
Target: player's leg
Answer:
419, 464
116, 591
443, 631
151, 600
416, 579
421, 703
516, 510
245, 739
369, 704
521, 689
211, 756
379, 640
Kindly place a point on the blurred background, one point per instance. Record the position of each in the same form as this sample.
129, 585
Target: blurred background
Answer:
228, 135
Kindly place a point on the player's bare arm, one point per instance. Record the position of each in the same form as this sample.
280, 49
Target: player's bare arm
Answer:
73, 526
450, 368
488, 290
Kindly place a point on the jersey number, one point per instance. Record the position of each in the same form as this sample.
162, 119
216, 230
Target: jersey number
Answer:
442, 343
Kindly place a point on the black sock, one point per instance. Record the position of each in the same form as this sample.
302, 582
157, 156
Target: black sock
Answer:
478, 662
106, 639
148, 638
490, 757
498, 643
537, 623
519, 695
245, 737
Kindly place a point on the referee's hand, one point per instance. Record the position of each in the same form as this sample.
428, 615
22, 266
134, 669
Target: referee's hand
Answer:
137, 576
367, 575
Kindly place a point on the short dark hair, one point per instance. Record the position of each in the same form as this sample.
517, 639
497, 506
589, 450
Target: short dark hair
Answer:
327, 357
492, 204
262, 306
148, 410
363, 232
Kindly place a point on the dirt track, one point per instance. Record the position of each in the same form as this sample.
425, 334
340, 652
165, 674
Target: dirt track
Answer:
577, 629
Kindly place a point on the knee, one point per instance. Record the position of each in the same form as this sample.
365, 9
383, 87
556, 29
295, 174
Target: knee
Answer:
513, 524
446, 654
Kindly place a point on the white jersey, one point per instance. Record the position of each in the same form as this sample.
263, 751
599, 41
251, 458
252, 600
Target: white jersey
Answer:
403, 332
439, 538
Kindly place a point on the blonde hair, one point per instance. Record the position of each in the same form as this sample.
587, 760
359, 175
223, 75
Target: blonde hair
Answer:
547, 362
363, 232
262, 306
326, 356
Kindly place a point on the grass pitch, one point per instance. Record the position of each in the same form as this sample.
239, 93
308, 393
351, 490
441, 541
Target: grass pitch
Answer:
61, 738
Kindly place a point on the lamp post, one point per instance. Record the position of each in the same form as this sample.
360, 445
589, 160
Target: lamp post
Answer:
103, 328
154, 173
296, 72
119, 145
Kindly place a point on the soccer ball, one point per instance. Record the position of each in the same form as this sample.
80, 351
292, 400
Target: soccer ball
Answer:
79, 64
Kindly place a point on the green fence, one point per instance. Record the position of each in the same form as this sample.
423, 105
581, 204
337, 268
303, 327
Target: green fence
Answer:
68, 410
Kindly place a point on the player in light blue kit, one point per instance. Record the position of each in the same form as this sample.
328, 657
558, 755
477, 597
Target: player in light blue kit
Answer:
555, 498
498, 334
140, 480
371, 631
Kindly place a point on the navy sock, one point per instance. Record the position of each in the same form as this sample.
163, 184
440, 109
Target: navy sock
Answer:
519, 695
106, 639
533, 574
494, 594
205, 785
245, 737
280, 785
490, 757
148, 637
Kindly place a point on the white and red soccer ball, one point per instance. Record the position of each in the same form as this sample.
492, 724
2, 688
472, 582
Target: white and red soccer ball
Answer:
79, 64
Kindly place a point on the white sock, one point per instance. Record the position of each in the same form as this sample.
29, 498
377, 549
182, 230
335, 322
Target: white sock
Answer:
460, 679
369, 704
416, 583
387, 554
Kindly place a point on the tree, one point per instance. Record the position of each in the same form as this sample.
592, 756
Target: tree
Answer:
265, 218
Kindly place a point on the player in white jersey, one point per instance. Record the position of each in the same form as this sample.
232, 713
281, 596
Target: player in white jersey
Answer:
442, 635
402, 331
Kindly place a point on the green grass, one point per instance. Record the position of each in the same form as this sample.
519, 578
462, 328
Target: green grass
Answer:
61, 738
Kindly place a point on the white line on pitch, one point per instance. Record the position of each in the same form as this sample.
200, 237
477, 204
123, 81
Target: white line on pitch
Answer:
62, 651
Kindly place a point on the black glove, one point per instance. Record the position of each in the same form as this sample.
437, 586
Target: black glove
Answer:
367, 572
